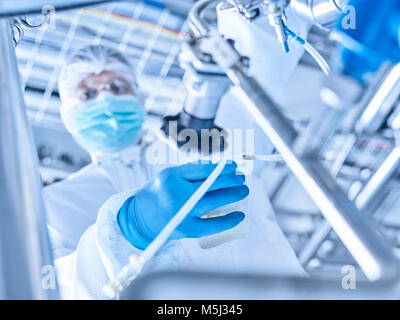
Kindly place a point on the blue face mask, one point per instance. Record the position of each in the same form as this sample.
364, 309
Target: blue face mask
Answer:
107, 124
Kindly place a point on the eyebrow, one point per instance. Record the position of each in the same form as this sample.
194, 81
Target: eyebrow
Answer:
120, 79
82, 85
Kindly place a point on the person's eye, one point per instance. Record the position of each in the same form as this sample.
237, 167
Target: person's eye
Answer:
89, 95
118, 89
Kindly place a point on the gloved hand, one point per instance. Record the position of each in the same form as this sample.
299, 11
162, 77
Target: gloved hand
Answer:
143, 216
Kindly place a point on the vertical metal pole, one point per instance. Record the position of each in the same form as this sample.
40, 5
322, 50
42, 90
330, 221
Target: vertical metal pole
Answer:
24, 246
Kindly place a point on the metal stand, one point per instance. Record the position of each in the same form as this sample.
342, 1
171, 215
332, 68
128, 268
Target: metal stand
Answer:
26, 265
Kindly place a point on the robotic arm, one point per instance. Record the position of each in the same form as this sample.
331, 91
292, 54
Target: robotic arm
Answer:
323, 13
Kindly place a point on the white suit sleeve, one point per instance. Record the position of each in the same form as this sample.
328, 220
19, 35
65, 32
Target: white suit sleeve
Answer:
81, 274
115, 250
101, 254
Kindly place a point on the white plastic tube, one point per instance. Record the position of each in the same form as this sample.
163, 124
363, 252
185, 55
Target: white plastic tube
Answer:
136, 265
311, 51
317, 57
262, 157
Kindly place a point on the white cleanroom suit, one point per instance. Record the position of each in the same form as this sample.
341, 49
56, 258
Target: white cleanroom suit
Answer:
90, 249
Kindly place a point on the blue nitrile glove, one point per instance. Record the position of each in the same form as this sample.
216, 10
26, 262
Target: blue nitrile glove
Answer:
143, 216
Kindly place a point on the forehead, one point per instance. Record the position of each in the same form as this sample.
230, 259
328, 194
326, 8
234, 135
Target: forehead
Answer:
105, 76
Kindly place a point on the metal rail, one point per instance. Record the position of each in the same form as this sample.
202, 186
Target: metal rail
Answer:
24, 7
18, 8
385, 172
214, 286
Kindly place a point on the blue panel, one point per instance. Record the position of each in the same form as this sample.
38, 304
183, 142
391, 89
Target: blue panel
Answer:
155, 3
375, 38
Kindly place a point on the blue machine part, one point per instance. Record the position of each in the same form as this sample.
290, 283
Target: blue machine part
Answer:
372, 39
155, 3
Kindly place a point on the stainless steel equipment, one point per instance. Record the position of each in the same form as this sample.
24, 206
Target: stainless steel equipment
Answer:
361, 239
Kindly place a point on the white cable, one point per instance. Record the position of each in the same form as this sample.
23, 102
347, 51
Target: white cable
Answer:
262, 157
317, 57
311, 51
136, 265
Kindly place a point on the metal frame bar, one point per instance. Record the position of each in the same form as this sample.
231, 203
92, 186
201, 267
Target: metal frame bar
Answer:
368, 193
7, 8
248, 286
24, 244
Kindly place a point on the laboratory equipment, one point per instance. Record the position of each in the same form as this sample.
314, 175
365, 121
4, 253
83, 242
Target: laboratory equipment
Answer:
206, 84
326, 193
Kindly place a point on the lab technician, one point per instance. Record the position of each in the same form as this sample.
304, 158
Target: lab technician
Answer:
113, 208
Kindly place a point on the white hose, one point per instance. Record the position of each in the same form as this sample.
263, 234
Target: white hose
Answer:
262, 157
317, 57
136, 265
311, 51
